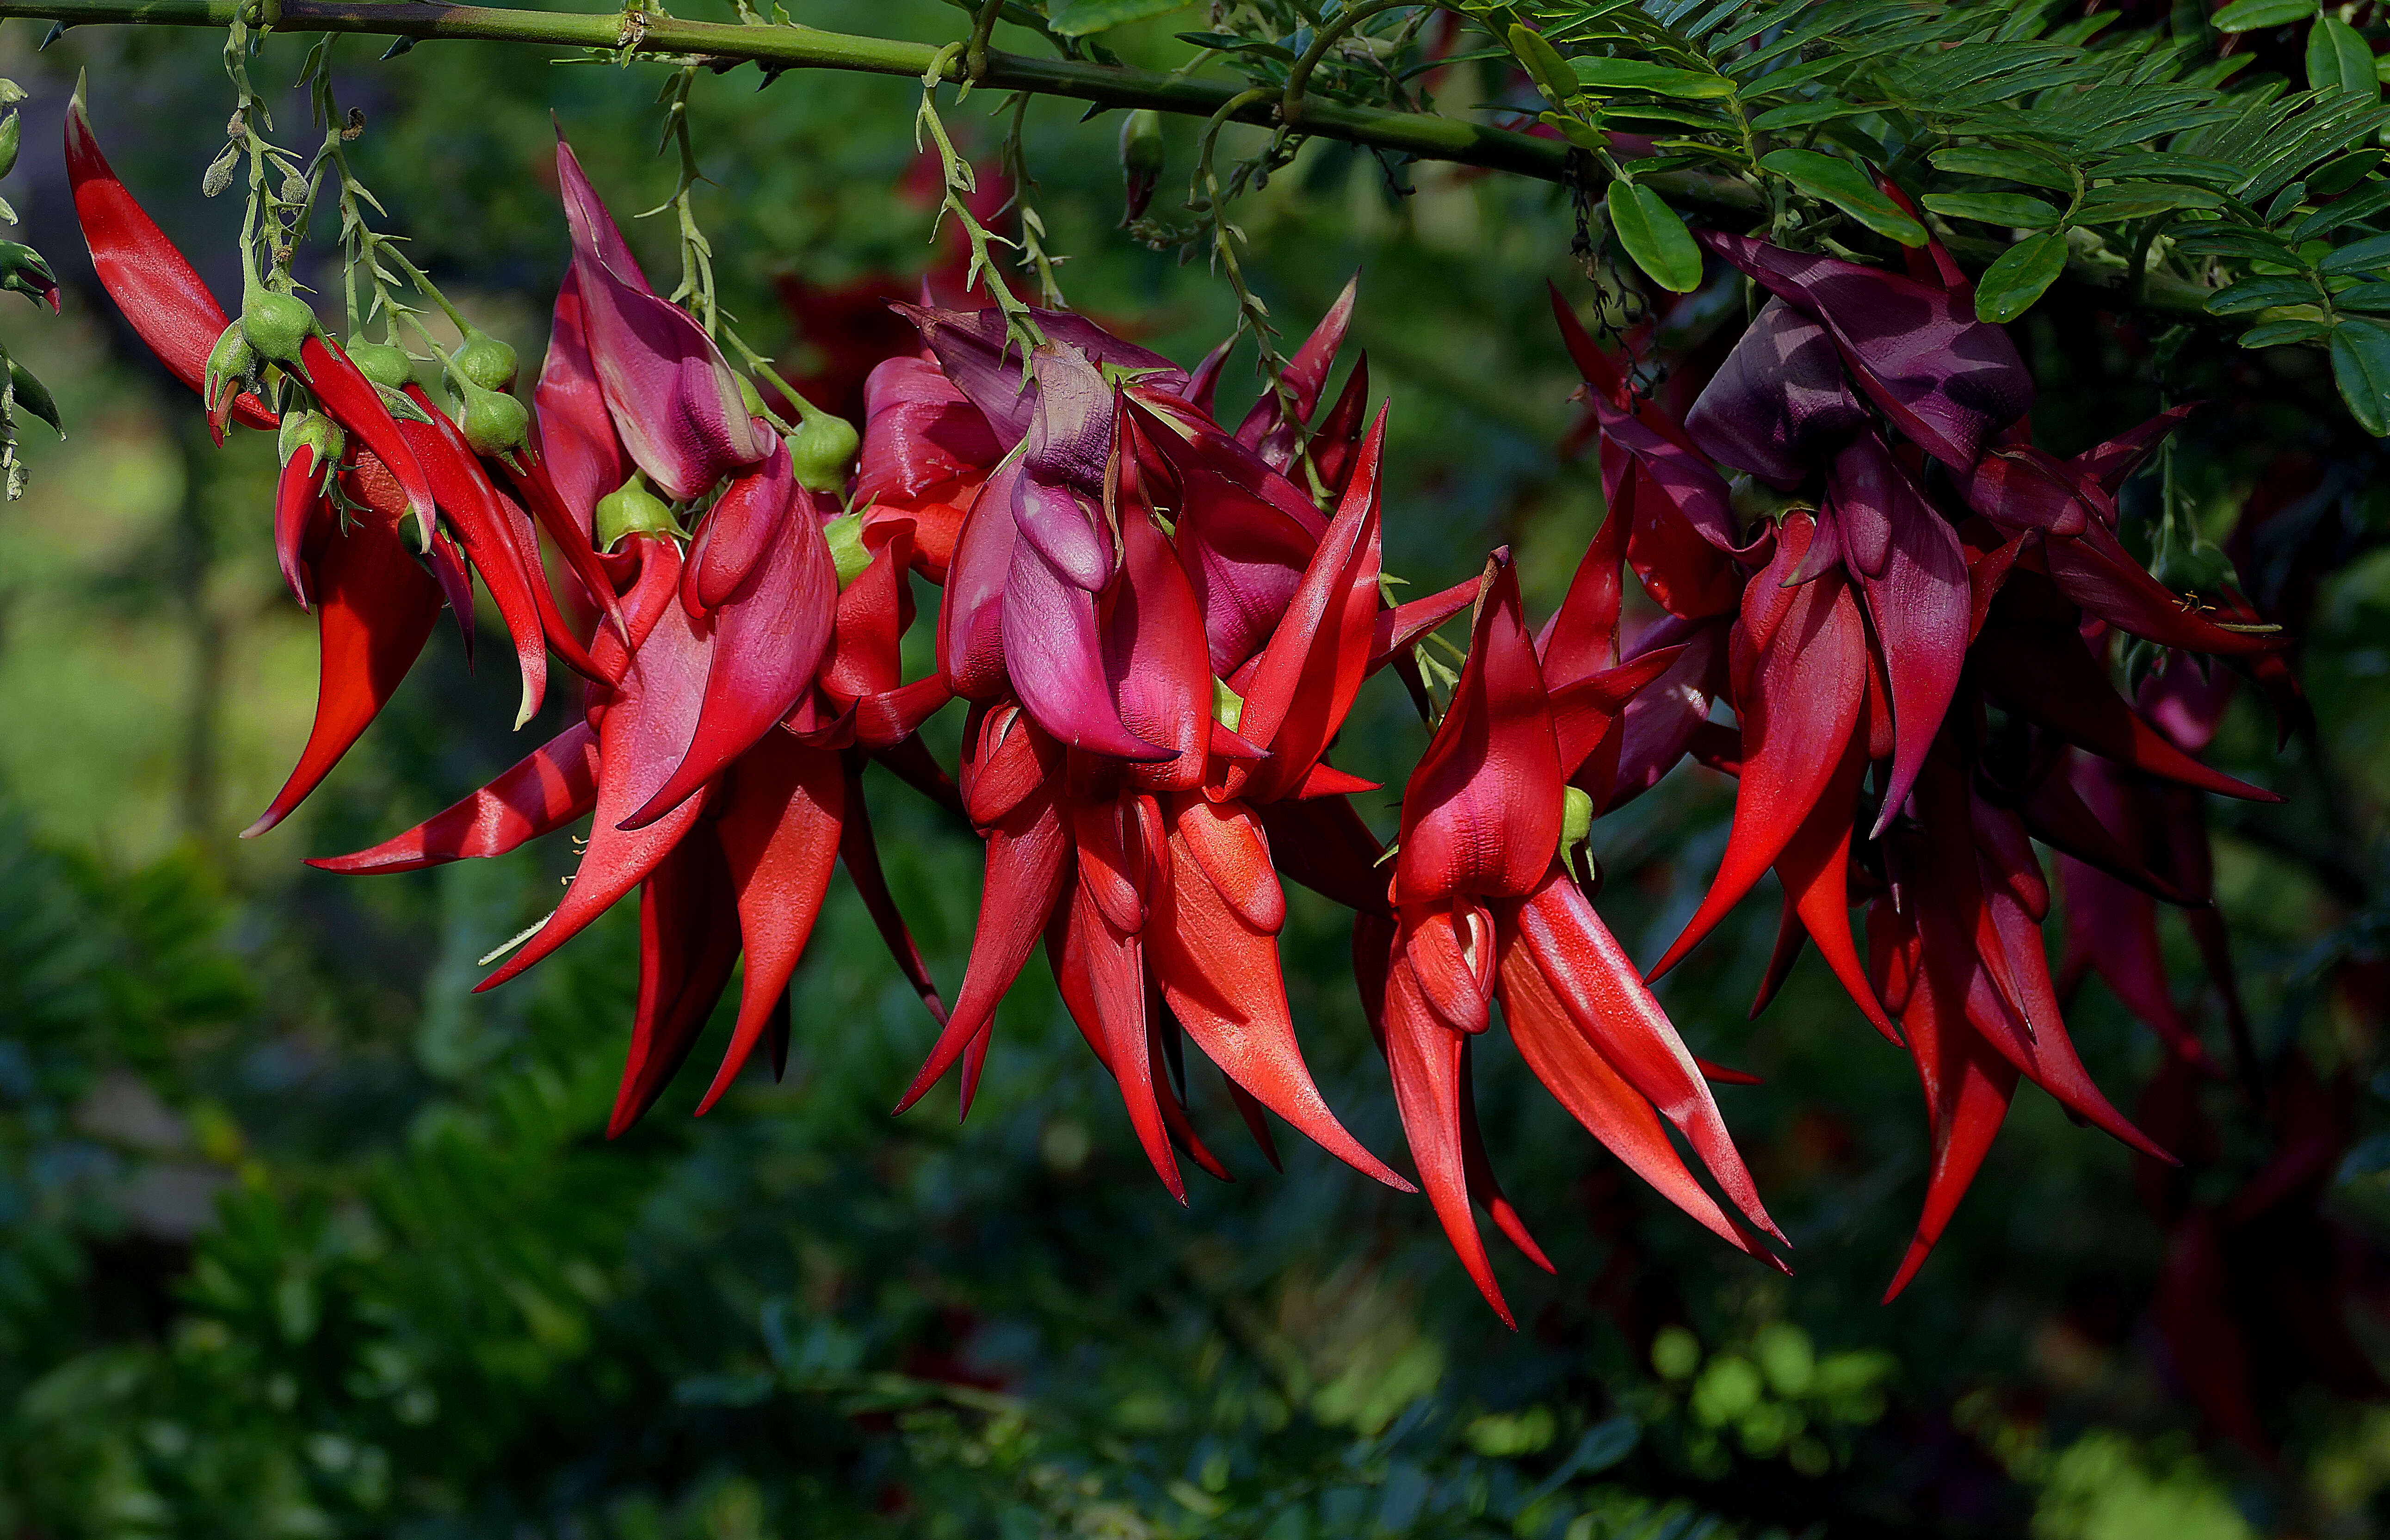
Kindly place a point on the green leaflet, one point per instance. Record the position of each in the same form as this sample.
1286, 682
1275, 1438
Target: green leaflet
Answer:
2140, 200
1634, 74
1802, 114
2354, 207
2361, 366
2335, 178
2012, 165
2369, 255
2339, 60
2249, 16
1847, 188
2022, 273
1544, 62
2274, 334
2255, 294
1654, 237
2014, 210
2229, 240
1085, 18
2373, 299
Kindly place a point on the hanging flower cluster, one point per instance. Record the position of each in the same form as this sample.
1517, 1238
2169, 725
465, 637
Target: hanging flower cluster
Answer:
1158, 627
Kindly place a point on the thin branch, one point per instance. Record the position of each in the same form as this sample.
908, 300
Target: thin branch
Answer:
626, 33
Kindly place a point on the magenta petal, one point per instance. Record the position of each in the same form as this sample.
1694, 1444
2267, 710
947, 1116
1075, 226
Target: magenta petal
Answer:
971, 627
575, 431
1053, 651
768, 640
1659, 725
919, 433
1946, 379
674, 401
1057, 501
1916, 595
975, 352
1779, 404
1268, 430
593, 228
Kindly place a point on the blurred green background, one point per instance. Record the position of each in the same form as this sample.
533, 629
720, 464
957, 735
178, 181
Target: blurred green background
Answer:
299, 1239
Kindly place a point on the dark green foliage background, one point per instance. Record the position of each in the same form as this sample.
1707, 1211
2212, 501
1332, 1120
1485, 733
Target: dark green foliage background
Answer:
356, 1259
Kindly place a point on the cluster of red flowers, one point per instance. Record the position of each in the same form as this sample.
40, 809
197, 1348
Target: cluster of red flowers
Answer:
1159, 626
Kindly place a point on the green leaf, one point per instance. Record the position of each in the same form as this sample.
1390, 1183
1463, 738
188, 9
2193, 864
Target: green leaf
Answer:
2024, 272
1551, 72
1802, 114
2371, 255
2361, 366
2186, 168
2255, 294
2357, 205
2334, 177
2274, 334
2140, 200
1654, 237
2014, 210
2374, 299
2338, 59
2012, 165
2230, 240
1634, 74
1085, 18
2249, 16
1847, 188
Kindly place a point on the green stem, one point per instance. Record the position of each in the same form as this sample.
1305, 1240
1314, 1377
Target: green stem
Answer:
1426, 136
1289, 107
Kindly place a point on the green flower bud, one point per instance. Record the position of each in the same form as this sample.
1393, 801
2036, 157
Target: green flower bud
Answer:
1141, 154
276, 323
820, 451
1576, 832
493, 423
1140, 142
311, 431
750, 397
485, 361
385, 364
23, 269
846, 549
232, 364
631, 508
34, 396
12, 133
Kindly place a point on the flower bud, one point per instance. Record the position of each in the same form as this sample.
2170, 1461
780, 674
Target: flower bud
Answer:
22, 269
276, 323
34, 396
750, 397
820, 451
232, 364
12, 135
847, 551
493, 422
631, 508
311, 431
1140, 153
485, 361
385, 364
1576, 834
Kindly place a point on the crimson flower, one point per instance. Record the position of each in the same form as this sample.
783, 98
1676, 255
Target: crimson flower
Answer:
1487, 908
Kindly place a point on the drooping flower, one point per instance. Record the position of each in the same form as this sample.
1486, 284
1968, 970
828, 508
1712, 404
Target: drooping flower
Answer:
1148, 879
1487, 908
